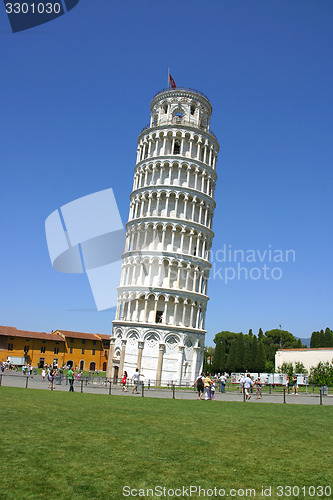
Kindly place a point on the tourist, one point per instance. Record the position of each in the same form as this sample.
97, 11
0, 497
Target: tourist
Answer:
43, 374
136, 378
258, 388
295, 385
50, 378
241, 383
71, 375
212, 390
207, 384
248, 382
124, 380
223, 380
200, 385
288, 383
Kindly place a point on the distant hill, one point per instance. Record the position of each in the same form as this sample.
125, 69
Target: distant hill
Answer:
304, 341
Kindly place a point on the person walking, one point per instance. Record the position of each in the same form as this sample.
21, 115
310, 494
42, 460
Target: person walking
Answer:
136, 378
207, 383
295, 385
258, 388
124, 380
70, 375
248, 382
200, 385
50, 378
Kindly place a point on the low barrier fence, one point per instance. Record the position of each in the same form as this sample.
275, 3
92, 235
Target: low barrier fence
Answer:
153, 388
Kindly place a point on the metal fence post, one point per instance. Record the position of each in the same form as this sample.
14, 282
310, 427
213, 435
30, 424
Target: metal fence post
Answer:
82, 385
270, 389
148, 384
244, 394
26, 384
143, 389
0, 379
173, 390
284, 395
321, 397
110, 388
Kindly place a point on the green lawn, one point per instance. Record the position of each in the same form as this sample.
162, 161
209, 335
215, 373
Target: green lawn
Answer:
86, 446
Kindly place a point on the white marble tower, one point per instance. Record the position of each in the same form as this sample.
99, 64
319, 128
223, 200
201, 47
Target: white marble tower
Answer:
162, 298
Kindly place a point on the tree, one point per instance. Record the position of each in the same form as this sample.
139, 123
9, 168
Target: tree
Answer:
217, 356
260, 359
322, 374
247, 363
315, 340
254, 351
287, 368
260, 334
231, 358
223, 356
328, 338
300, 368
239, 360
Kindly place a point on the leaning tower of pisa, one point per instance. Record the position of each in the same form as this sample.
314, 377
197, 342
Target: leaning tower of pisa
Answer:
162, 298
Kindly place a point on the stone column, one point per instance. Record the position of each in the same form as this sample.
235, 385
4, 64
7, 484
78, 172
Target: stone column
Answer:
196, 350
180, 363
160, 364
122, 356
140, 349
110, 360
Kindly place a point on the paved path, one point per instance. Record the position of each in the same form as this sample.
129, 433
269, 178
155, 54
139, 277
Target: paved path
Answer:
97, 386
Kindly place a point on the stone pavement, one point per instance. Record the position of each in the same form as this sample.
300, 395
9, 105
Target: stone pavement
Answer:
98, 386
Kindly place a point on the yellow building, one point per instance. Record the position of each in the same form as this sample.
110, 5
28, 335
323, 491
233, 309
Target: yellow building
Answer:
38, 348
83, 351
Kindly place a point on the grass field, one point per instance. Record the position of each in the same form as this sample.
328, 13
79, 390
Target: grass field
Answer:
86, 446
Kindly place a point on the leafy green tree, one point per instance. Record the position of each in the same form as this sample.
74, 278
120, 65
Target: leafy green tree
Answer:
260, 334
322, 374
260, 359
287, 368
300, 368
250, 332
239, 361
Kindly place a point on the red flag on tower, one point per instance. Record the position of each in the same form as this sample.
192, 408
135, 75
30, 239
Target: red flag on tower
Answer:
172, 82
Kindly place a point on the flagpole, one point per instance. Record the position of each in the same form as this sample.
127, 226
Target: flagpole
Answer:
168, 77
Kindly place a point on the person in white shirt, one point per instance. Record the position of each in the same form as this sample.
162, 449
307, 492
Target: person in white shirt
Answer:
223, 380
248, 382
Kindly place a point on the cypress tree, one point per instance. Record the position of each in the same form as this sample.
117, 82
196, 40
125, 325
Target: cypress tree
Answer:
247, 353
315, 340
254, 350
328, 338
260, 334
239, 361
321, 338
223, 356
231, 358
217, 356
260, 359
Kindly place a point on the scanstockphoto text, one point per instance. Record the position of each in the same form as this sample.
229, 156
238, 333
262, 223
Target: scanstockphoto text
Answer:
229, 264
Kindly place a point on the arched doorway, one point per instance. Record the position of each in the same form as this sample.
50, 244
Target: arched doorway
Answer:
69, 363
81, 364
92, 366
104, 366
115, 374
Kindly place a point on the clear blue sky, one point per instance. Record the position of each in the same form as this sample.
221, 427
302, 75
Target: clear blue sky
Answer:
75, 94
